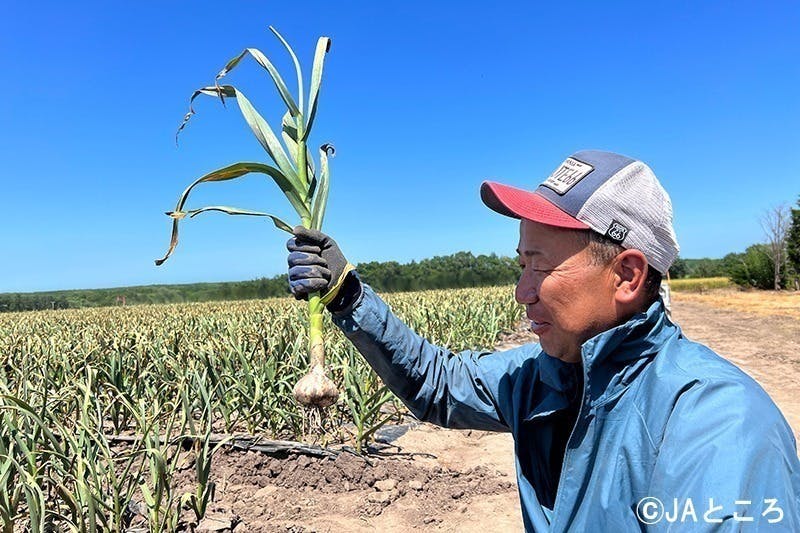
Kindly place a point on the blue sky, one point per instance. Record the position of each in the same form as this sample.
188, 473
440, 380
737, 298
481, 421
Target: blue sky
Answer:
423, 101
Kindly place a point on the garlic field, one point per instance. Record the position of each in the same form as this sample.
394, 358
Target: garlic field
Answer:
101, 407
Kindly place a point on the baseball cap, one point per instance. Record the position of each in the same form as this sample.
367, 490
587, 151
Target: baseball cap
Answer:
608, 193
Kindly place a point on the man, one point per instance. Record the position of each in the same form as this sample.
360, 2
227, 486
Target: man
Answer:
619, 421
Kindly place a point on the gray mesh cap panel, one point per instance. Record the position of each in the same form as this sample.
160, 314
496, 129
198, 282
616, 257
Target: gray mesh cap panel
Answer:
635, 200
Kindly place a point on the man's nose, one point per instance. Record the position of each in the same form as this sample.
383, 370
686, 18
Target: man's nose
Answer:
525, 293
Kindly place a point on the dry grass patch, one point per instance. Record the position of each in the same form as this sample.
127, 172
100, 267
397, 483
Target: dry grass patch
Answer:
765, 303
699, 284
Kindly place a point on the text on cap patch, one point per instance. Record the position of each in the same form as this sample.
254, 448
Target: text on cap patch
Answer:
567, 175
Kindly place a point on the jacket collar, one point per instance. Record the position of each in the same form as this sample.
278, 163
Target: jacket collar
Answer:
611, 360
642, 335
614, 357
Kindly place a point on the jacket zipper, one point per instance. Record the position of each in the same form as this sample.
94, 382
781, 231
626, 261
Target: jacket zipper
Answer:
559, 490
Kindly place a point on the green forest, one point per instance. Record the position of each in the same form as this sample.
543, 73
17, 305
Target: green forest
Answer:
462, 269
773, 264
753, 268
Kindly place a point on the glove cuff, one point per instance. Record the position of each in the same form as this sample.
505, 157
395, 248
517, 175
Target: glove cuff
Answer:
348, 295
329, 296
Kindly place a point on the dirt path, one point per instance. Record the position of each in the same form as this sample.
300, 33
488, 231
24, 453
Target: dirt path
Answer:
444, 480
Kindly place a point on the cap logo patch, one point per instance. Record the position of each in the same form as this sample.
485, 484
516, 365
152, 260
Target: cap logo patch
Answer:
617, 231
567, 175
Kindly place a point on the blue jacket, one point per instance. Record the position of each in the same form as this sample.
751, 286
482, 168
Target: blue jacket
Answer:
661, 424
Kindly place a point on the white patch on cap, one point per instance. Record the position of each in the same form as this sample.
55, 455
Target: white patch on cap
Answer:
567, 175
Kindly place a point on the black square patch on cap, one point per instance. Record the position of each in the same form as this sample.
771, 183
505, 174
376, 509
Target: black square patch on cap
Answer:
617, 231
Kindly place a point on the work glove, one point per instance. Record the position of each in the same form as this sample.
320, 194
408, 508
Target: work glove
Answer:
316, 264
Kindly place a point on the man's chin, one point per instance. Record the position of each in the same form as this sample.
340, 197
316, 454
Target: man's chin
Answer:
559, 352
549, 349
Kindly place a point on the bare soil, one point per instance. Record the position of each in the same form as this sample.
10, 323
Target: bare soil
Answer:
426, 478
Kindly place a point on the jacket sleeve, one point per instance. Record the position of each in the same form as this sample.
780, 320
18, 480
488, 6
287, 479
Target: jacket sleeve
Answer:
728, 449
468, 390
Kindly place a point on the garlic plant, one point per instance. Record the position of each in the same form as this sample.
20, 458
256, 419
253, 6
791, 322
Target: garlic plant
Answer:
294, 172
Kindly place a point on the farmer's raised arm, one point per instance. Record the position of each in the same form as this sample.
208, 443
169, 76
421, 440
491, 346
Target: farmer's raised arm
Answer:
465, 390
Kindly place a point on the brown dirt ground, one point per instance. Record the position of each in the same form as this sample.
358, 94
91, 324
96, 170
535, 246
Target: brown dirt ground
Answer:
427, 478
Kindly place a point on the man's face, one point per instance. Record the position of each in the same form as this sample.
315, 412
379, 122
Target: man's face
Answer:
567, 298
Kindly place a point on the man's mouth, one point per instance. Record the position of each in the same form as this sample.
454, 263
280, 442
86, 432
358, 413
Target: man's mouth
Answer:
538, 327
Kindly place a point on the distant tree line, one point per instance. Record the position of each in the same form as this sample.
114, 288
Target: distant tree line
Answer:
751, 268
774, 264
150, 294
771, 265
462, 269
31, 302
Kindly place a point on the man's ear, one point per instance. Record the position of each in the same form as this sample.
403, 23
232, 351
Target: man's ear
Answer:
630, 272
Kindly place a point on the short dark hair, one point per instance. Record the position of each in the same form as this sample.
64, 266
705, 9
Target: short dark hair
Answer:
603, 250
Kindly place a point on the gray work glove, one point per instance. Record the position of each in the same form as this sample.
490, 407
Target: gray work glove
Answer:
316, 264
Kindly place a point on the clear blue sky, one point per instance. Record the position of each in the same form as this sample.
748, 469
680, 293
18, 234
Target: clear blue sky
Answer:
423, 101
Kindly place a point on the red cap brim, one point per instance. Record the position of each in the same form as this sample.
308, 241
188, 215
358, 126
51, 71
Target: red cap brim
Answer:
518, 203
